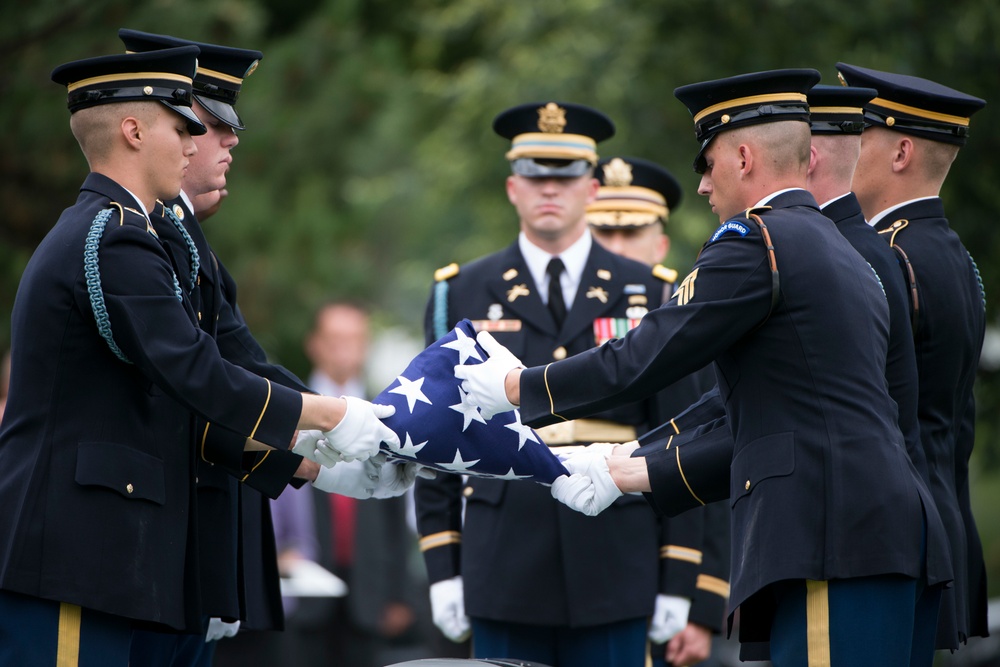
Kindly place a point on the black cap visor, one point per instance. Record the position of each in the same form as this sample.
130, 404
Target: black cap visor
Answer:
195, 126
221, 110
549, 168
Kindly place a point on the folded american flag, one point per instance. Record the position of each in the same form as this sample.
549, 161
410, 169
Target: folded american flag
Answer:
440, 428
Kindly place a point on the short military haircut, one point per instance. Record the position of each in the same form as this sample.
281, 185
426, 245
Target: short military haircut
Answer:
95, 127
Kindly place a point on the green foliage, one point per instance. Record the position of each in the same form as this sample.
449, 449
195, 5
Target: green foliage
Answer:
370, 161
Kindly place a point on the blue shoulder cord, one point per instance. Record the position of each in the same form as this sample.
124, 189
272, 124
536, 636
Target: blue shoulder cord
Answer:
440, 308
192, 249
979, 278
92, 271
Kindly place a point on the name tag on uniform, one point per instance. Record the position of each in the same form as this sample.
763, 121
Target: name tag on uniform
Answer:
496, 325
609, 328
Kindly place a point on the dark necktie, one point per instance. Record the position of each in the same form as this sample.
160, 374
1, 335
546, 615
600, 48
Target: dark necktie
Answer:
557, 306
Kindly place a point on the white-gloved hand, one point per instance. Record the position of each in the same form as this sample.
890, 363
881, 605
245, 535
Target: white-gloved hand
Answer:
397, 477
485, 382
218, 629
448, 609
359, 433
593, 463
305, 445
669, 618
357, 479
575, 491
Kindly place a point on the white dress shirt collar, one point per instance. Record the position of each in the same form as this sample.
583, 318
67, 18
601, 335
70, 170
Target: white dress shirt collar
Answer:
763, 202
142, 207
574, 259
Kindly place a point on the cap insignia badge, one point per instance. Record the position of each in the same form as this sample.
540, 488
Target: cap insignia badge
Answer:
618, 173
552, 118
252, 68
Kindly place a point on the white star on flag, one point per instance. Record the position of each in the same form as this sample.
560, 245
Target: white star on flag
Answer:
466, 346
468, 410
524, 433
457, 464
411, 389
408, 448
510, 475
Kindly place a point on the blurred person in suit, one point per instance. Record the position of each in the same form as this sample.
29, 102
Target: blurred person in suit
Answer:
367, 544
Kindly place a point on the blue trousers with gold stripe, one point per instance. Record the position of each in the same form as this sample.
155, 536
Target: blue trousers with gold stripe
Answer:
45, 633
621, 644
883, 621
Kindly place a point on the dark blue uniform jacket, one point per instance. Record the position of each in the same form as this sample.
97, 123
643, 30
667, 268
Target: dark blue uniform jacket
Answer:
821, 485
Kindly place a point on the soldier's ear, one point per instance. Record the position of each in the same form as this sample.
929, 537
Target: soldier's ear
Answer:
133, 130
902, 153
511, 193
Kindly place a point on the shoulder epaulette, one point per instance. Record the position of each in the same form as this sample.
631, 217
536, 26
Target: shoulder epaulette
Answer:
446, 272
664, 274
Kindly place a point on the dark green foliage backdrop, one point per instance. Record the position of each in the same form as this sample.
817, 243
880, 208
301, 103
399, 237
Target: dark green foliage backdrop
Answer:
369, 161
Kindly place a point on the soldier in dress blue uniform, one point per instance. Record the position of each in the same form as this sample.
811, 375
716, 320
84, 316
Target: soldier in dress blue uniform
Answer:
110, 367
915, 129
837, 121
629, 217
237, 553
518, 563
837, 545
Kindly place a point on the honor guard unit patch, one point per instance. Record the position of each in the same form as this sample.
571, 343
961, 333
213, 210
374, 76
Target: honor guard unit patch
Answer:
610, 328
730, 226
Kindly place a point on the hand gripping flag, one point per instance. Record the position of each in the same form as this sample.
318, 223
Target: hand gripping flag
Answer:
440, 428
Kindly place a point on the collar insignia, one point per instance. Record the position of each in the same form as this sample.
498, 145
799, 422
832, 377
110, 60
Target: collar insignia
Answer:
516, 291
598, 293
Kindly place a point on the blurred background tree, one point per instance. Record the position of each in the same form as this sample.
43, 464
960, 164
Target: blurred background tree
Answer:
370, 161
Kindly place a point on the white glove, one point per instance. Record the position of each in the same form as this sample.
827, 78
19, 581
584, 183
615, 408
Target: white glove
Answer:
574, 491
358, 434
592, 464
396, 478
669, 618
448, 609
356, 479
218, 629
305, 445
485, 382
